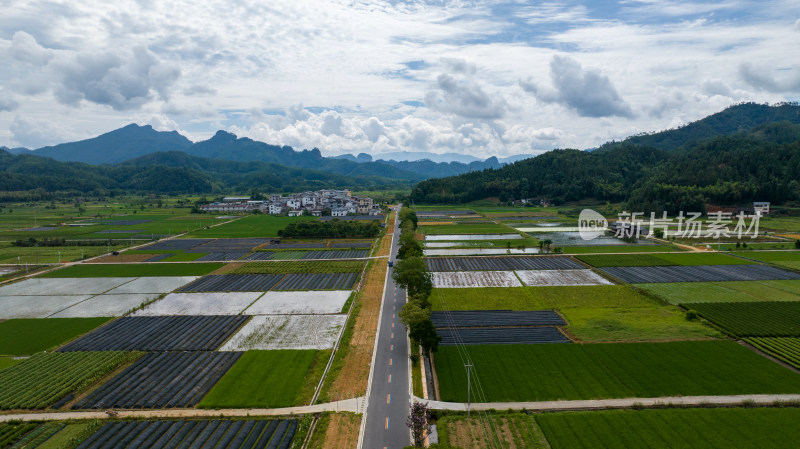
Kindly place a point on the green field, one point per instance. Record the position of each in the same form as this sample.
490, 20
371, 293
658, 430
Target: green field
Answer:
29, 336
71, 435
10, 433
509, 373
184, 257
646, 260
5, 362
510, 429
786, 259
786, 349
538, 298
753, 319
602, 249
43, 379
673, 428
134, 270
269, 379
39, 435
250, 226
286, 267
622, 324
728, 291
486, 228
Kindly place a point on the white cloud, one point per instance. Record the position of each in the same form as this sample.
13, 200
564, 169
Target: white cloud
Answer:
25, 48
8, 101
588, 92
465, 98
36, 133
761, 78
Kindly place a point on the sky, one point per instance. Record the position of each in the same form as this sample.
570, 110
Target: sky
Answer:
480, 78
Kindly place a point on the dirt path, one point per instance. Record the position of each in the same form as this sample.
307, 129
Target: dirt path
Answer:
606, 404
348, 405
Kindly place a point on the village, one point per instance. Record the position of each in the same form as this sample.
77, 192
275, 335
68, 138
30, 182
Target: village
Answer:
333, 203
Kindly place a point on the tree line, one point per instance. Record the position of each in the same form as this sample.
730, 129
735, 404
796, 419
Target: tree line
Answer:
331, 229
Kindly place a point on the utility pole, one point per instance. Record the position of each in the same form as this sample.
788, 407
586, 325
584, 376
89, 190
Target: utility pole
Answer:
468, 366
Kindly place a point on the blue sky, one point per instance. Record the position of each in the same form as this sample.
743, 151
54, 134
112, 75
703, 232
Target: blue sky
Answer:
474, 77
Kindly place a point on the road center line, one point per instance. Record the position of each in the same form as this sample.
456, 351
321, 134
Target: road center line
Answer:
388, 399
387, 423
390, 378
390, 362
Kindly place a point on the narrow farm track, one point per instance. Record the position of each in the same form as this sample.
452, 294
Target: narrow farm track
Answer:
353, 405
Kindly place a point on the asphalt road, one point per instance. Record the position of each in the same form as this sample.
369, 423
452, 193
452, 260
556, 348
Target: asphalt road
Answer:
389, 396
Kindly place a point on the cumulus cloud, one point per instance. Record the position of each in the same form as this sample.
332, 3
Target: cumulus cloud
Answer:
199, 90
25, 48
588, 92
8, 101
458, 65
374, 128
465, 98
761, 78
122, 82
37, 133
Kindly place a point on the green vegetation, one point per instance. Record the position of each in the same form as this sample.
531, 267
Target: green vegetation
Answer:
250, 226
341, 353
693, 258
511, 429
717, 170
5, 362
134, 270
729, 291
673, 428
29, 336
786, 259
602, 249
594, 371
752, 319
486, 228
786, 349
315, 266
9, 433
71, 435
538, 298
331, 229
634, 324
268, 379
647, 260
39, 381
39, 435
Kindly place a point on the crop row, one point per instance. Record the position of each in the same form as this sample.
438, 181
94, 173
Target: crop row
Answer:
233, 283
164, 379
45, 378
228, 246
753, 319
699, 273
220, 434
10, 433
162, 333
496, 318
30, 439
653, 260
502, 263
786, 349
501, 336
337, 254
222, 256
317, 266
176, 244
317, 281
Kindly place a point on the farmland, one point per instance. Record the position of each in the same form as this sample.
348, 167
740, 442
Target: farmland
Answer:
250, 226
502, 263
561, 277
45, 378
475, 279
699, 273
201, 304
29, 336
646, 260
672, 428
623, 324
167, 333
317, 281
752, 319
534, 298
254, 381
159, 380
487, 228
233, 283
197, 433
786, 349
594, 371
300, 303
287, 332
619, 249
133, 270
333, 266
786, 259
732, 291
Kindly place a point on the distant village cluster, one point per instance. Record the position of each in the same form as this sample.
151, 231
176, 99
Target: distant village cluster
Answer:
340, 203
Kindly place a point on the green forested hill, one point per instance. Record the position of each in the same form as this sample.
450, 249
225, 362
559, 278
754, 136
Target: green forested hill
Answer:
762, 164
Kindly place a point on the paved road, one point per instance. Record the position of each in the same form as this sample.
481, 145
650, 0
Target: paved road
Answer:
389, 393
